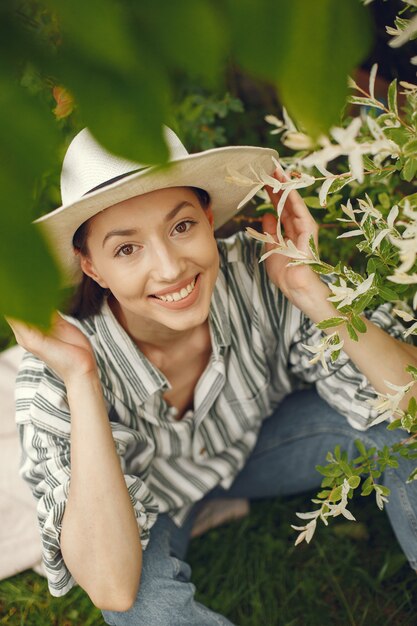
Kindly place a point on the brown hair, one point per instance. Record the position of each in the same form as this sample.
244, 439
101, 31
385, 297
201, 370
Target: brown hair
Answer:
88, 296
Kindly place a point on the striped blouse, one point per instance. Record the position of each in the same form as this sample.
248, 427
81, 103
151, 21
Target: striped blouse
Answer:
257, 359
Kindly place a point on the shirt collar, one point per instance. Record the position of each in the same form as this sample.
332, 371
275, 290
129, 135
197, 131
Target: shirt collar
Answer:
135, 370
219, 317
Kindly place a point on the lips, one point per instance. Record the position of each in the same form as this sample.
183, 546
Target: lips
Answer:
175, 288
180, 302
178, 295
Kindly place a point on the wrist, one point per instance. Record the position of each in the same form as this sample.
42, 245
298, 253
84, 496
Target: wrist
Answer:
76, 381
313, 301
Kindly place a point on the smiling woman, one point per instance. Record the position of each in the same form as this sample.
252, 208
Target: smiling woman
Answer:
166, 386
89, 295
158, 242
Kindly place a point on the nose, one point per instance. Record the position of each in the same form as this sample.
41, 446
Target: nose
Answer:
167, 263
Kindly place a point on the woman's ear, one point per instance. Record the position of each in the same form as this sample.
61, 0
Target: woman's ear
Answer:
88, 268
210, 216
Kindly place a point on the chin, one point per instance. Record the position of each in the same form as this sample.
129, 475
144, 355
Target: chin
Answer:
183, 320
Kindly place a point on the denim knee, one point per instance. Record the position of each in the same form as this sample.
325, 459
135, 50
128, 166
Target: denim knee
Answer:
166, 595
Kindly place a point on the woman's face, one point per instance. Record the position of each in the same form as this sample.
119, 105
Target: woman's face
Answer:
157, 255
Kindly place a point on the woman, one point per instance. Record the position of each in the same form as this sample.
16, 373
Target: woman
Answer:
152, 397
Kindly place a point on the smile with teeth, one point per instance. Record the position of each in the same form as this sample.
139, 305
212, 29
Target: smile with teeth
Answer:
178, 295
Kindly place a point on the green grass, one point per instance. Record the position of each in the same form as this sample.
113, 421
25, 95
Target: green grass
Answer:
352, 574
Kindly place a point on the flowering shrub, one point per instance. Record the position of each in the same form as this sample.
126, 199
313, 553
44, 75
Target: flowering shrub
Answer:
378, 147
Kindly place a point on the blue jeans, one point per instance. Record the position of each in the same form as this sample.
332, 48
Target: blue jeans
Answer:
292, 441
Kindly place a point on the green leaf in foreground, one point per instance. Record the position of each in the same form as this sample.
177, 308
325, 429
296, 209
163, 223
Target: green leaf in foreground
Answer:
359, 324
339, 35
29, 280
330, 322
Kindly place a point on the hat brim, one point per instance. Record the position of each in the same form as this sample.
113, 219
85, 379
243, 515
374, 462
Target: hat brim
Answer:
210, 170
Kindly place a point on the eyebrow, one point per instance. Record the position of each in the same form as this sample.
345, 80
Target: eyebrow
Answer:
133, 231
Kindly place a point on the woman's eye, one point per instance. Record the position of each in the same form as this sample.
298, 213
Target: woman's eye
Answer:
126, 250
184, 226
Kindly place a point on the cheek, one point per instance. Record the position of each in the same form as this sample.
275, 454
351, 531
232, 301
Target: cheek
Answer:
206, 247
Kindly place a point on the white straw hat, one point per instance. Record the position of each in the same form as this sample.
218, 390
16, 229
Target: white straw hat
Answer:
93, 179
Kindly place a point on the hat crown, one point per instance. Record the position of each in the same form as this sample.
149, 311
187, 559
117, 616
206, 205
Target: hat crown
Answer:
87, 164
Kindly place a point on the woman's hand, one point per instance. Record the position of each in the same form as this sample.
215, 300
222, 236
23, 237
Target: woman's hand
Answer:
300, 281
65, 349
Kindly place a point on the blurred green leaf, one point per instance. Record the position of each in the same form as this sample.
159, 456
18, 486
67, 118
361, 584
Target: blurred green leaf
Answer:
29, 280
120, 88
187, 36
123, 61
320, 45
307, 49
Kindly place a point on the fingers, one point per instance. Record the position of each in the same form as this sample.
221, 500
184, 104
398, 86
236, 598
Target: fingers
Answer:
296, 219
31, 337
280, 175
17, 326
269, 224
27, 336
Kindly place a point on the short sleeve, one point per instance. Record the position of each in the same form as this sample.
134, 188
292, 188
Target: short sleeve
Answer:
344, 387
43, 422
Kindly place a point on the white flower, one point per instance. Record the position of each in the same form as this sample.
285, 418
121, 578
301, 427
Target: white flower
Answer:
286, 248
264, 237
408, 252
347, 295
324, 348
340, 507
307, 531
368, 210
289, 124
409, 87
412, 330
279, 125
326, 510
392, 216
401, 37
347, 210
386, 405
404, 315
403, 279
346, 138
407, 242
386, 231
297, 141
259, 180
324, 189
347, 145
380, 499
301, 181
